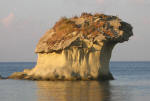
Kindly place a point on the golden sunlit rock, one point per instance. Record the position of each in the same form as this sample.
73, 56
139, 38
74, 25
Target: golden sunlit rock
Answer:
78, 48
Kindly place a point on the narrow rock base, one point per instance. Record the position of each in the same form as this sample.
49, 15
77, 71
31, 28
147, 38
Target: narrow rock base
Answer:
23, 76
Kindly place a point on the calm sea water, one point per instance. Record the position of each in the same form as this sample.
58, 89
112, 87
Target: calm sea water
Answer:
132, 84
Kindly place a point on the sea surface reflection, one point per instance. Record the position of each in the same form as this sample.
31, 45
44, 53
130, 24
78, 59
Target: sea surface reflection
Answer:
73, 91
132, 83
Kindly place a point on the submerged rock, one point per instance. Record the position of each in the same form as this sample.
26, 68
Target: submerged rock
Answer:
78, 48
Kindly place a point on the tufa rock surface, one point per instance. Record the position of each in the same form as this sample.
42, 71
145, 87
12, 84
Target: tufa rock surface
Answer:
78, 48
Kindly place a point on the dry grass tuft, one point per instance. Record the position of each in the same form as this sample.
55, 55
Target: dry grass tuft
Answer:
85, 15
93, 25
63, 27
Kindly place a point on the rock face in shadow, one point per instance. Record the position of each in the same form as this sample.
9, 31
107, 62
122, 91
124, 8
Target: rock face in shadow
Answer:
78, 48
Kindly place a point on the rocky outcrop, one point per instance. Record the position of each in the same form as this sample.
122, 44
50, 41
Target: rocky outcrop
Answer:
0, 77
78, 48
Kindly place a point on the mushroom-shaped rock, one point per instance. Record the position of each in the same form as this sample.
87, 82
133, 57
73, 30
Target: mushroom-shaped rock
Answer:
78, 48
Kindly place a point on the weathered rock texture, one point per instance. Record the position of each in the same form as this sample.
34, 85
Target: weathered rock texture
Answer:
78, 48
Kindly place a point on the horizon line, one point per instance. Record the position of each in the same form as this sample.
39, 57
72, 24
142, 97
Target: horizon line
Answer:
110, 61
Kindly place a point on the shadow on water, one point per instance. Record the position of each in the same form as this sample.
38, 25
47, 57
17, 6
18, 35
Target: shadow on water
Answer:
73, 91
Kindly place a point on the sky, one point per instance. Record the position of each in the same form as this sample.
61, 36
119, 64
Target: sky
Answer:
23, 22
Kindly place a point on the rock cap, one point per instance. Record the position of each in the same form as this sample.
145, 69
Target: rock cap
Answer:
73, 32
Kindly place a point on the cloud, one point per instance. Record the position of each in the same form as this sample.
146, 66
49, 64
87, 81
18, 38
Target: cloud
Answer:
100, 1
8, 20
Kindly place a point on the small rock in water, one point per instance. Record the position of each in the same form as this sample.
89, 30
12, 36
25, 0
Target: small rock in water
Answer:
0, 77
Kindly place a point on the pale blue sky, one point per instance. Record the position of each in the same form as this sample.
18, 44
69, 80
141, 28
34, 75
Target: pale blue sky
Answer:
23, 22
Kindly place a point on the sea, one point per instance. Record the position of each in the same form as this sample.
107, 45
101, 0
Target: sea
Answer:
132, 83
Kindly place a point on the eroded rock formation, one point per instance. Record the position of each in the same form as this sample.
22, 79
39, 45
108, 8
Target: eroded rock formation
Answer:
78, 48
